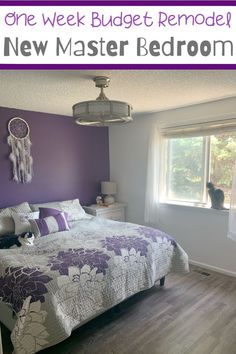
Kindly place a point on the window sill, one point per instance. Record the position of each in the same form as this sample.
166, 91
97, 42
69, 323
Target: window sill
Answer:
193, 208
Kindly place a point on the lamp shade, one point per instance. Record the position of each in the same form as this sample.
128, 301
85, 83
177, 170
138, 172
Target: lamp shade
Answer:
108, 187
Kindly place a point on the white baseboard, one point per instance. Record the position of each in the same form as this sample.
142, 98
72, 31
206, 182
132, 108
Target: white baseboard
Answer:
213, 268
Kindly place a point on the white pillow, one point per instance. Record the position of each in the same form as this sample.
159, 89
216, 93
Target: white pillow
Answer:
7, 225
22, 223
73, 209
54, 205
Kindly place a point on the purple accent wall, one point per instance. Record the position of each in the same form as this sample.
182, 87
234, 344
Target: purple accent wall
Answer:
69, 160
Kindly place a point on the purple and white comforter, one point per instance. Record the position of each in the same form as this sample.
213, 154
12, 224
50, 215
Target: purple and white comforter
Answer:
67, 278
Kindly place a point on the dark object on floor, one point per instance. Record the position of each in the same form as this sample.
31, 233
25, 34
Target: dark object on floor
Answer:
13, 241
206, 274
217, 197
162, 281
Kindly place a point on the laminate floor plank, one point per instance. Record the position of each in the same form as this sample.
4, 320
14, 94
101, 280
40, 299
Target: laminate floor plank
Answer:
191, 314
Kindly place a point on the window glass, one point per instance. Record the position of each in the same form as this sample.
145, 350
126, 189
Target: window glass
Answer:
185, 175
194, 161
223, 154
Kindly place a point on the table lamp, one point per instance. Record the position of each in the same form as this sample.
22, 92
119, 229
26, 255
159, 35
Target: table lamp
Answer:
108, 189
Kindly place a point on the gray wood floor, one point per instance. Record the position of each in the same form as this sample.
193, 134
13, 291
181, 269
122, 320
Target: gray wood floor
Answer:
194, 313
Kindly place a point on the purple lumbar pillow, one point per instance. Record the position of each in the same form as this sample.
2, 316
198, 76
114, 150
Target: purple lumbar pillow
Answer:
44, 212
49, 225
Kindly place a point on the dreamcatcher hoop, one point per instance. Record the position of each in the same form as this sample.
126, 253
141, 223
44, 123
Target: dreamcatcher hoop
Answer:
18, 128
19, 141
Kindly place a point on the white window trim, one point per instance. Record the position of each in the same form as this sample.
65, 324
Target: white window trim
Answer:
204, 128
228, 121
204, 209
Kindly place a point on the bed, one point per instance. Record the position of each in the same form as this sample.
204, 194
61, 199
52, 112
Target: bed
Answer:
69, 277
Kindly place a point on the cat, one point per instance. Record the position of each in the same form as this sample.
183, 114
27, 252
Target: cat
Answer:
217, 197
14, 241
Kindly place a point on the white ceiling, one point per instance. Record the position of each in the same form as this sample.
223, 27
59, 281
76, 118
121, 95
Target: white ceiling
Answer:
147, 90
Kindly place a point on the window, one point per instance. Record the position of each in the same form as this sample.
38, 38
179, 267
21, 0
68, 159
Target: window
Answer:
192, 161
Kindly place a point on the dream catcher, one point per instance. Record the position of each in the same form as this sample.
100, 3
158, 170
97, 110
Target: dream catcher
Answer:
20, 144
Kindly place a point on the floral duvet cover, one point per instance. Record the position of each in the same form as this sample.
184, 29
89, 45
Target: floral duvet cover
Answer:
67, 278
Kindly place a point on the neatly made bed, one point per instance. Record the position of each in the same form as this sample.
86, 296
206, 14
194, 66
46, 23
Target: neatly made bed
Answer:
68, 278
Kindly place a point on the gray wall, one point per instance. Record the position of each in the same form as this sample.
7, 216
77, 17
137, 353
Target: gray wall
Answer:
202, 233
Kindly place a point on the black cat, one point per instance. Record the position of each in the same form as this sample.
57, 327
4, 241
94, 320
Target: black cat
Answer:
10, 241
217, 197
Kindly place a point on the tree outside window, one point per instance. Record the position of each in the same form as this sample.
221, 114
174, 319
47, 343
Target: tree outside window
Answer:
193, 161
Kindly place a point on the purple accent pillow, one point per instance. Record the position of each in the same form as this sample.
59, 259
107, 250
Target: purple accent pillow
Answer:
44, 212
49, 225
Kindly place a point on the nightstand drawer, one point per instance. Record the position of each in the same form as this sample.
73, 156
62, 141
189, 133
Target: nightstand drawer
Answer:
117, 215
114, 212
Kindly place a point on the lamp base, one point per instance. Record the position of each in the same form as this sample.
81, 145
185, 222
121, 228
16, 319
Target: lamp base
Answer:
109, 199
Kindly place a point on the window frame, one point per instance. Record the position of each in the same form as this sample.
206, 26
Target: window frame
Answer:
164, 177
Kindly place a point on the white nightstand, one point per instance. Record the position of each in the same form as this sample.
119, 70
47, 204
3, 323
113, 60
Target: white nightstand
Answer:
114, 211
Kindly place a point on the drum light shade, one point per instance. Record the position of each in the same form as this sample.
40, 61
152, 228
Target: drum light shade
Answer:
102, 111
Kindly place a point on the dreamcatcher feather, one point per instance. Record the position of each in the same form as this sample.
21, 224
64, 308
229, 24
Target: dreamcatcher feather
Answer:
19, 141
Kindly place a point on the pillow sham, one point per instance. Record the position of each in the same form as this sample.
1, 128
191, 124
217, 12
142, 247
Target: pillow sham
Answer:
54, 205
7, 225
73, 209
21, 221
49, 225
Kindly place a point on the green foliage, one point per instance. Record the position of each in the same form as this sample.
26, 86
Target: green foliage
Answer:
187, 163
223, 155
186, 168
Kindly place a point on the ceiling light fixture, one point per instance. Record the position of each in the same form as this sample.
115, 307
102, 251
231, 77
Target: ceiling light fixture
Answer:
102, 111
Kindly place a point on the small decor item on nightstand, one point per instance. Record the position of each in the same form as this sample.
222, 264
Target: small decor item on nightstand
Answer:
99, 200
108, 189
